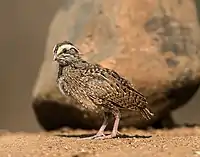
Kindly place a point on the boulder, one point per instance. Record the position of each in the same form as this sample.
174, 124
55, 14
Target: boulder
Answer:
152, 43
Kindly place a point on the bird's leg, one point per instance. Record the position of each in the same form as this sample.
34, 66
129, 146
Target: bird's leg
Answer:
103, 126
116, 124
117, 116
100, 133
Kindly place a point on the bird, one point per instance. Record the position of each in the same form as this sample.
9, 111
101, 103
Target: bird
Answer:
93, 85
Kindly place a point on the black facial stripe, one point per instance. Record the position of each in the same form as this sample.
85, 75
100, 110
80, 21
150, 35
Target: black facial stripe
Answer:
62, 43
64, 50
65, 54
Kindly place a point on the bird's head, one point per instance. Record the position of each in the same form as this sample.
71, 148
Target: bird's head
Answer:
65, 53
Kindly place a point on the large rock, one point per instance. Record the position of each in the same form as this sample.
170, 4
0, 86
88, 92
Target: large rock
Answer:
153, 43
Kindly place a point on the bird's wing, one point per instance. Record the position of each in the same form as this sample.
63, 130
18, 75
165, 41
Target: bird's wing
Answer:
116, 84
119, 79
133, 99
102, 86
99, 89
106, 87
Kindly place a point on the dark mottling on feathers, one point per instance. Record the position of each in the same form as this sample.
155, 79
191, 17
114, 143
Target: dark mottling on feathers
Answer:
95, 86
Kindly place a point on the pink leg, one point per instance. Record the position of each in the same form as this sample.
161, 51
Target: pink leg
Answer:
115, 127
100, 133
103, 127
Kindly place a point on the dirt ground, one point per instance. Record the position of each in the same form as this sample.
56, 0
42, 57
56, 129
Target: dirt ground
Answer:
179, 142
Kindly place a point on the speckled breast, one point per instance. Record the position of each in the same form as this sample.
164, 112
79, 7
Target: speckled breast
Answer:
147, 42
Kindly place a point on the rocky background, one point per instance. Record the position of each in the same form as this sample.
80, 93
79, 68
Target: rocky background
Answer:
23, 37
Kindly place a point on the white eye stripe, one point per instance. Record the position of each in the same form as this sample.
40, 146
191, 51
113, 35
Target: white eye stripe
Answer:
67, 47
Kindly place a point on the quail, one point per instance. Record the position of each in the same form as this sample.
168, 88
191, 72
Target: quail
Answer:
93, 85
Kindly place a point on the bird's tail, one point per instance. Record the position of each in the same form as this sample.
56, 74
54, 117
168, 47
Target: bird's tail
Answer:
146, 113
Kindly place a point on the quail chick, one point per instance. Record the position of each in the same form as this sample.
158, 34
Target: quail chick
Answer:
93, 85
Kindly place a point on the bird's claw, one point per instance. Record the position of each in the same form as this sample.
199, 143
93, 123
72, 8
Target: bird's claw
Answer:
97, 136
100, 137
105, 137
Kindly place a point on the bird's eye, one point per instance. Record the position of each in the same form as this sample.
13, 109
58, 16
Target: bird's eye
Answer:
64, 50
73, 51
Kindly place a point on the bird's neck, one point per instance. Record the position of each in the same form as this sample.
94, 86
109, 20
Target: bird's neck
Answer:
80, 64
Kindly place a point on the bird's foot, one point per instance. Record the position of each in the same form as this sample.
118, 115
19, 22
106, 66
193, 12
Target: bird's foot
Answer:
101, 137
97, 136
105, 137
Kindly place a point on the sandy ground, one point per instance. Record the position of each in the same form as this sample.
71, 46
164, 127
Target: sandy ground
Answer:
179, 142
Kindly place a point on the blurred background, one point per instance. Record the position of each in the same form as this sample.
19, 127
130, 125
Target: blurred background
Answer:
24, 29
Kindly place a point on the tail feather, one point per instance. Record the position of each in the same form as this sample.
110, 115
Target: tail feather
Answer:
146, 113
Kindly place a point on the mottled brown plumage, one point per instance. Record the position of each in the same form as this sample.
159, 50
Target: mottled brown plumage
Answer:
94, 86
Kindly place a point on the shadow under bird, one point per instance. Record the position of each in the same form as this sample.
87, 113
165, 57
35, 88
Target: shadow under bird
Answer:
92, 86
